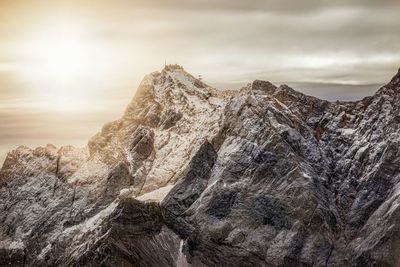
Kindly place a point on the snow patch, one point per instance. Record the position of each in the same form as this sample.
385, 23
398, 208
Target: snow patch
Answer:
156, 195
348, 131
92, 223
44, 252
12, 245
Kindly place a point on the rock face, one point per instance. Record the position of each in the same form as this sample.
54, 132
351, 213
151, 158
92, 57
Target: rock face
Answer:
194, 176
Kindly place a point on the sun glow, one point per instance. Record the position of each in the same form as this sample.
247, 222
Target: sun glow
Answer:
62, 64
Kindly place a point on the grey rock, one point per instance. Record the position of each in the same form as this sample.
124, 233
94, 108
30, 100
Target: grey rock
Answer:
194, 176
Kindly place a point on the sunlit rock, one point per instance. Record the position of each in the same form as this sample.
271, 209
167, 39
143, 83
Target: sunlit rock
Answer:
194, 176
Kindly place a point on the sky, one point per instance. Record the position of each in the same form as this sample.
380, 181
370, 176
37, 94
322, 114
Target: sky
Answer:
68, 67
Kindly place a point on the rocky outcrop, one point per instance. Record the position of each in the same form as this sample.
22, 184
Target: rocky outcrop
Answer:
194, 176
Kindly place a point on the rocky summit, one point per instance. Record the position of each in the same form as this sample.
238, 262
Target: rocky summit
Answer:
195, 176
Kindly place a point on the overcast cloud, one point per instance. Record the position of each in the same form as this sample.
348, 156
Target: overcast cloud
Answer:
331, 49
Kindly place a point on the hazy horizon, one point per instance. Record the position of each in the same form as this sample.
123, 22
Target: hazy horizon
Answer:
66, 68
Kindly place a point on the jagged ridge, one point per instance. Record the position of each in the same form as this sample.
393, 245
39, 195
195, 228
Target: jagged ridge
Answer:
263, 176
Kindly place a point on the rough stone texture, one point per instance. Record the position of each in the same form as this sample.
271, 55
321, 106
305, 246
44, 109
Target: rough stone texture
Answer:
264, 176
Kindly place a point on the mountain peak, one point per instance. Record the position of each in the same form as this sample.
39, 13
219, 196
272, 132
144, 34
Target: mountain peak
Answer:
176, 74
266, 86
396, 79
392, 87
264, 176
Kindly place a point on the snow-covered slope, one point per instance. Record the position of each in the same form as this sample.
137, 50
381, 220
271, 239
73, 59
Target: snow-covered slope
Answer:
169, 117
190, 175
